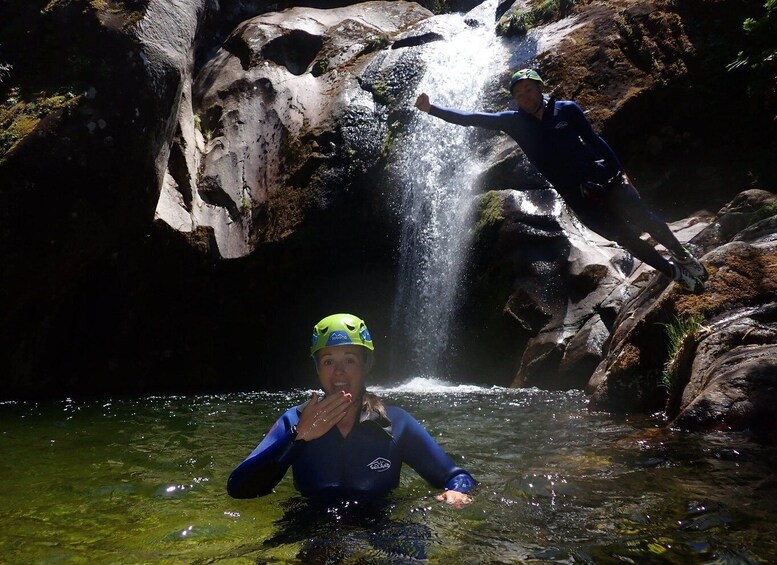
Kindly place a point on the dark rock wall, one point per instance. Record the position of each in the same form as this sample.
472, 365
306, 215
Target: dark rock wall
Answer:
98, 298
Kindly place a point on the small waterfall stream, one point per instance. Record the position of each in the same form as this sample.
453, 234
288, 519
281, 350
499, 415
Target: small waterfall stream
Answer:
437, 167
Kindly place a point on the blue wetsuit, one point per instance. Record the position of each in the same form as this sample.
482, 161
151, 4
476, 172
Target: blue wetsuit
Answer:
365, 463
564, 147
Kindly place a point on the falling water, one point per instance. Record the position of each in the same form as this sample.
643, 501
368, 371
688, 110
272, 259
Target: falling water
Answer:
437, 167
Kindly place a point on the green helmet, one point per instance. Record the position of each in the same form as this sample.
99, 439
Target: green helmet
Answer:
524, 74
340, 329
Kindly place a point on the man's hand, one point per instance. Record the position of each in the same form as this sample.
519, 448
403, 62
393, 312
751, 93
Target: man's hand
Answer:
320, 416
422, 102
455, 498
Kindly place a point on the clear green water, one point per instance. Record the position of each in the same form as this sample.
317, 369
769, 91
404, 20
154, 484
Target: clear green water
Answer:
142, 481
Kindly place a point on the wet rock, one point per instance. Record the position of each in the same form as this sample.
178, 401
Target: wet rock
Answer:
728, 383
559, 275
701, 517
291, 111
735, 217
732, 384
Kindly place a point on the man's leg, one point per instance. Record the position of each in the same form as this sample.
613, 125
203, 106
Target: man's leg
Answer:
616, 229
625, 201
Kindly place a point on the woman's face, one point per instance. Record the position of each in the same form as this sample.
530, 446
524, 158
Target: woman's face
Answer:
342, 368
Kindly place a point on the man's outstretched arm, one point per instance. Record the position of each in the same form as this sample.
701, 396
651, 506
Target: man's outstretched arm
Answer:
459, 117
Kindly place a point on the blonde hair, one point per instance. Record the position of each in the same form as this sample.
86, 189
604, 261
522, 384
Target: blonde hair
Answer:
371, 403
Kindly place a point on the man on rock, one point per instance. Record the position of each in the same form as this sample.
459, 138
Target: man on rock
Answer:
560, 142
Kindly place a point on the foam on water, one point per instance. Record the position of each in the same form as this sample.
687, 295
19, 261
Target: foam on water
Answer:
433, 385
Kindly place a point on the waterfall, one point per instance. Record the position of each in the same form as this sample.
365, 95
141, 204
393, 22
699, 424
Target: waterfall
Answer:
437, 167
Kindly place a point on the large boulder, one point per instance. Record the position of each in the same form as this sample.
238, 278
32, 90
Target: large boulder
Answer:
283, 119
718, 372
93, 98
550, 278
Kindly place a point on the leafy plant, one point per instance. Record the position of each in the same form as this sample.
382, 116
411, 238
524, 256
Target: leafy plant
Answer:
5, 71
683, 334
521, 21
762, 37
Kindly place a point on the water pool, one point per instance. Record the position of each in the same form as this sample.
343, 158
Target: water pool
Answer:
143, 481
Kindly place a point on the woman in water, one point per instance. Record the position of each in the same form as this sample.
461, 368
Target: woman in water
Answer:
346, 444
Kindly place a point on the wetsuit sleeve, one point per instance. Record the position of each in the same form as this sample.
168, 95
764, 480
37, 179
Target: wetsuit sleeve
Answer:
593, 140
427, 458
268, 463
477, 119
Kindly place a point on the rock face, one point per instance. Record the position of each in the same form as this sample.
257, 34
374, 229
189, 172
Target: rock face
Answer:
723, 377
185, 181
89, 115
553, 277
279, 122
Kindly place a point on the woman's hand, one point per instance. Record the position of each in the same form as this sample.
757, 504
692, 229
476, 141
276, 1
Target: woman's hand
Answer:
422, 102
455, 498
320, 416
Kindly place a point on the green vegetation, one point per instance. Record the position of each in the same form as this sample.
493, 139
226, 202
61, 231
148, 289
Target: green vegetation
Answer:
521, 21
683, 334
245, 204
320, 67
19, 117
759, 60
207, 133
132, 15
394, 133
441, 7
381, 93
762, 38
5, 71
764, 212
374, 43
489, 212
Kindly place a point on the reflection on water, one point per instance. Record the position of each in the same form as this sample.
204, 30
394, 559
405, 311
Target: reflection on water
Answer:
142, 480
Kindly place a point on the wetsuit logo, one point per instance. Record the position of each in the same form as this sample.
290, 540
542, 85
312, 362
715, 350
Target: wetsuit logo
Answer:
380, 464
561, 125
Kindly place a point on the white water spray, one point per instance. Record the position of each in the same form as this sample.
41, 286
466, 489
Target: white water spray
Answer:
437, 168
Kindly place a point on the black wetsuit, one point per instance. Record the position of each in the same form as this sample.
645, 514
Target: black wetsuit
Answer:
567, 151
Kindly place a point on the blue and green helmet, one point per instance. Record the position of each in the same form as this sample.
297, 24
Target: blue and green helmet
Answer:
525, 74
340, 329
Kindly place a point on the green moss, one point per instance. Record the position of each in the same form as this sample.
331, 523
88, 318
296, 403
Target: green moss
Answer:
245, 204
19, 117
489, 212
380, 91
762, 213
375, 43
521, 21
130, 16
320, 67
394, 132
441, 7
